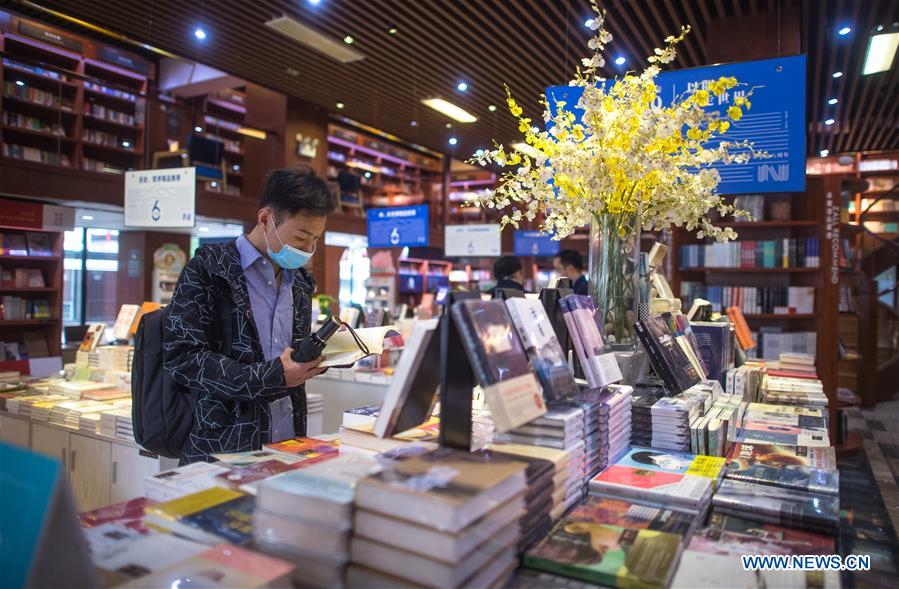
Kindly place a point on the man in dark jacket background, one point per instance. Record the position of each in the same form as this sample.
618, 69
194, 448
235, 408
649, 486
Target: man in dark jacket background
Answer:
237, 312
570, 264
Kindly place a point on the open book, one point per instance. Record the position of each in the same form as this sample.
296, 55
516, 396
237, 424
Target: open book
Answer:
346, 347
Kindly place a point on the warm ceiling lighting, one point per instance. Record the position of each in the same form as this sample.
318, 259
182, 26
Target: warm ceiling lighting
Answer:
445, 107
492, 108
881, 52
462, 86
200, 34
449, 125
392, 31
349, 40
249, 132
294, 29
413, 123
526, 149
340, 105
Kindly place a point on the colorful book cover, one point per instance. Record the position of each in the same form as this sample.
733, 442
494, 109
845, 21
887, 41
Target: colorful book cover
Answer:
253, 473
626, 514
653, 485
308, 448
821, 458
808, 511
127, 513
607, 554
38, 244
218, 511
788, 477
816, 543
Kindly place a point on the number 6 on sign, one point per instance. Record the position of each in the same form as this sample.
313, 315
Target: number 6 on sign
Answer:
156, 212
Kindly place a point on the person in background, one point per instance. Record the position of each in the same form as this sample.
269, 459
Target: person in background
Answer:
570, 264
238, 311
507, 273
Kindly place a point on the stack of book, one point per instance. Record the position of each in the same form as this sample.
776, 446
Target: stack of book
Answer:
76, 388
210, 516
441, 519
561, 488
124, 426
668, 478
671, 419
306, 516
366, 415
563, 427
793, 391
362, 436
109, 421
609, 415
745, 381
647, 392
182, 481
711, 434
117, 358
22, 405
615, 542
813, 512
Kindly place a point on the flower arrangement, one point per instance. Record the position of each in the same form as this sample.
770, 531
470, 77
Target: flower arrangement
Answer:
625, 155
621, 161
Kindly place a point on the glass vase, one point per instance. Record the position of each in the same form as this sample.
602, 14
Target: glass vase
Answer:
614, 276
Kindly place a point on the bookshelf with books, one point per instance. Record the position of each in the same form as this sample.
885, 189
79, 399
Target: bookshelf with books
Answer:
223, 116
68, 101
777, 271
30, 295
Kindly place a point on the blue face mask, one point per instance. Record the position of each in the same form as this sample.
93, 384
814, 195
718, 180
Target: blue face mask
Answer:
289, 258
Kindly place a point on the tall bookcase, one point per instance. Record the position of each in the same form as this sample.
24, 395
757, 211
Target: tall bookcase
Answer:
50, 265
69, 108
813, 214
223, 116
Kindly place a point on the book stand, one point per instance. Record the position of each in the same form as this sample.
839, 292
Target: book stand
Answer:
457, 380
550, 298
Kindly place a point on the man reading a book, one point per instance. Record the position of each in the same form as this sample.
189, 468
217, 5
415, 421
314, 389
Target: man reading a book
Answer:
570, 264
238, 311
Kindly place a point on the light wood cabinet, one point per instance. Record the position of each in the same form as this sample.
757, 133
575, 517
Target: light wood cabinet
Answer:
129, 469
15, 431
90, 471
50, 441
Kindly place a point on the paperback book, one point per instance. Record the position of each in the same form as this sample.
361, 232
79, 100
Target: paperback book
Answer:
807, 511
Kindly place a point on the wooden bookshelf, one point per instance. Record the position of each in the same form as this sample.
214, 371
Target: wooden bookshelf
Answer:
220, 116
13, 327
66, 104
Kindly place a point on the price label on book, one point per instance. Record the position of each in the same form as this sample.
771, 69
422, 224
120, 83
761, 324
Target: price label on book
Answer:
162, 199
775, 124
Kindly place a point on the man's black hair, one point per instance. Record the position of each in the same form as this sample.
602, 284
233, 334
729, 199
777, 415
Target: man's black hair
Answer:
571, 258
296, 190
505, 267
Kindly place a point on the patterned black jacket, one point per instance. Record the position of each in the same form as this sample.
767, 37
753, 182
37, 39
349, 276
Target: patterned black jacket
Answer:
211, 346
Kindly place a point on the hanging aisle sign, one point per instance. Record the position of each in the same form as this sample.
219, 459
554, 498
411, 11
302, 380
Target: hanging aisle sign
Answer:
472, 240
535, 243
161, 199
398, 227
775, 124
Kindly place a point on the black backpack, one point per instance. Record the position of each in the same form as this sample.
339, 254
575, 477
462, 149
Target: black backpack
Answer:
162, 410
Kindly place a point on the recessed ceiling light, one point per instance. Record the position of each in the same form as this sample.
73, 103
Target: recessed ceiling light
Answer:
832, 101
881, 52
453, 141
126, 144
620, 60
587, 22
87, 217
413, 123
457, 113
368, 174
203, 229
349, 40
844, 31
392, 31
829, 122
235, 167
462, 86
492, 108
339, 105
198, 129
315, 2
838, 74
20, 83
449, 125
824, 153
200, 34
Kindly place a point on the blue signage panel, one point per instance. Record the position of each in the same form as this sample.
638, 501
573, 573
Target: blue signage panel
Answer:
535, 243
775, 124
398, 227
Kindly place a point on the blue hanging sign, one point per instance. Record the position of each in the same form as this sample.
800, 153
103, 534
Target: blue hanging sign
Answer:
535, 243
775, 123
398, 227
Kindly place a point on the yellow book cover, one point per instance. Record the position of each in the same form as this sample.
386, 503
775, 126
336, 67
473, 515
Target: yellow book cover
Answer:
195, 502
707, 466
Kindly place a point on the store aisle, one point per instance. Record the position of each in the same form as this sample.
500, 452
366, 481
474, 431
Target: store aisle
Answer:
872, 518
